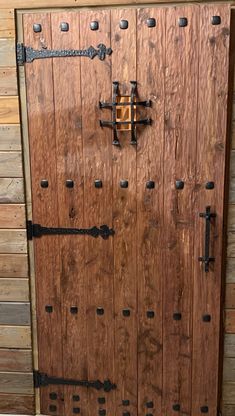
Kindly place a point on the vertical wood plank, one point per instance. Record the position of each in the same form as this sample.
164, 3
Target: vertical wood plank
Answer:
40, 106
150, 78
124, 220
211, 148
179, 165
96, 86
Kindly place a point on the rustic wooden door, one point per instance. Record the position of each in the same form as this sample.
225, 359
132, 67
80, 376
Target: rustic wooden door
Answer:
128, 315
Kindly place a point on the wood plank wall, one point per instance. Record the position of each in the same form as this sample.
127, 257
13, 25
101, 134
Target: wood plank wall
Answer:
16, 385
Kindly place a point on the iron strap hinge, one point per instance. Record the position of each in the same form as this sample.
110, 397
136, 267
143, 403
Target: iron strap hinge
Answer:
28, 54
37, 230
43, 380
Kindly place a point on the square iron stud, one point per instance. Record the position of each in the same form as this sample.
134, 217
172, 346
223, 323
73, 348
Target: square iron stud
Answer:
177, 316
216, 20
150, 184
76, 398
53, 396
74, 309
126, 312
151, 22
183, 21
126, 414
44, 183
101, 400
64, 27
37, 27
100, 311
204, 409
149, 405
150, 314
98, 183
176, 407
102, 412
52, 408
76, 410
49, 308
210, 185
179, 184
123, 24
69, 183
124, 184
126, 402
206, 318
149, 414
94, 25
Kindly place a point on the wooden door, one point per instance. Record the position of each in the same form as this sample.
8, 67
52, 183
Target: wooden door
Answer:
137, 310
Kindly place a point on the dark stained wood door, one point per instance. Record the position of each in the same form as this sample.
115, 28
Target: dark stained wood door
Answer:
138, 308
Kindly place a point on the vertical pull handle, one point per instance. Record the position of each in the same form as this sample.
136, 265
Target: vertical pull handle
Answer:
206, 259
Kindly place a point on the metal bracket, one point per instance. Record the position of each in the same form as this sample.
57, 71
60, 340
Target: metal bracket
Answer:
43, 380
132, 122
28, 54
37, 230
206, 259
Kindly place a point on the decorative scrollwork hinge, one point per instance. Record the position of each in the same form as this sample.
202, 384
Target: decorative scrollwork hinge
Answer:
28, 54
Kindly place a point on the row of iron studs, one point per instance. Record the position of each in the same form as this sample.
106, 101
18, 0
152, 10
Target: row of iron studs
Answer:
123, 24
124, 184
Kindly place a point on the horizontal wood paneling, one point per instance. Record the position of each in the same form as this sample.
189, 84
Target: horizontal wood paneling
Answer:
229, 369
7, 24
230, 321
14, 313
231, 217
229, 345
11, 190
11, 165
229, 392
16, 360
8, 81
7, 53
13, 241
16, 383
13, 265
230, 270
15, 337
230, 296
12, 216
228, 410
17, 404
10, 137
16, 290
9, 110
231, 244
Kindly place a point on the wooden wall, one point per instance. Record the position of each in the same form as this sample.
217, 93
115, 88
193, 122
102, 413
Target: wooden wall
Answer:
16, 386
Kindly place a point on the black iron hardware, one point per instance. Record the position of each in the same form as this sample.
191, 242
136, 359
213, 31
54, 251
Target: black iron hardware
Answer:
69, 183
177, 316
49, 308
64, 27
101, 400
102, 412
123, 24
37, 230
126, 414
150, 185
126, 402
206, 318
179, 184
210, 185
74, 309
100, 311
176, 407
43, 380
44, 183
124, 184
98, 183
149, 405
216, 20
126, 312
53, 396
204, 409
94, 25
151, 22
206, 259
76, 410
76, 398
132, 104
37, 27
28, 54
149, 414
150, 314
183, 21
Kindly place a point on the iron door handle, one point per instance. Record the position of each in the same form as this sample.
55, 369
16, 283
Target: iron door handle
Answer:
206, 259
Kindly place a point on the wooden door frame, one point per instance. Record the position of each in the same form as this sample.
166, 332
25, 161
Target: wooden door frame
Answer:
20, 7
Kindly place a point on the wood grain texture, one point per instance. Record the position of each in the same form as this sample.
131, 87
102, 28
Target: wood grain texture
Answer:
212, 122
10, 137
231, 217
229, 392
229, 326
228, 410
12, 216
229, 345
231, 244
151, 49
229, 369
11, 190
7, 23
15, 337
9, 110
16, 383
16, 360
230, 270
8, 81
16, 290
13, 265
230, 296
12, 313
7, 53
13, 241
17, 404
11, 165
